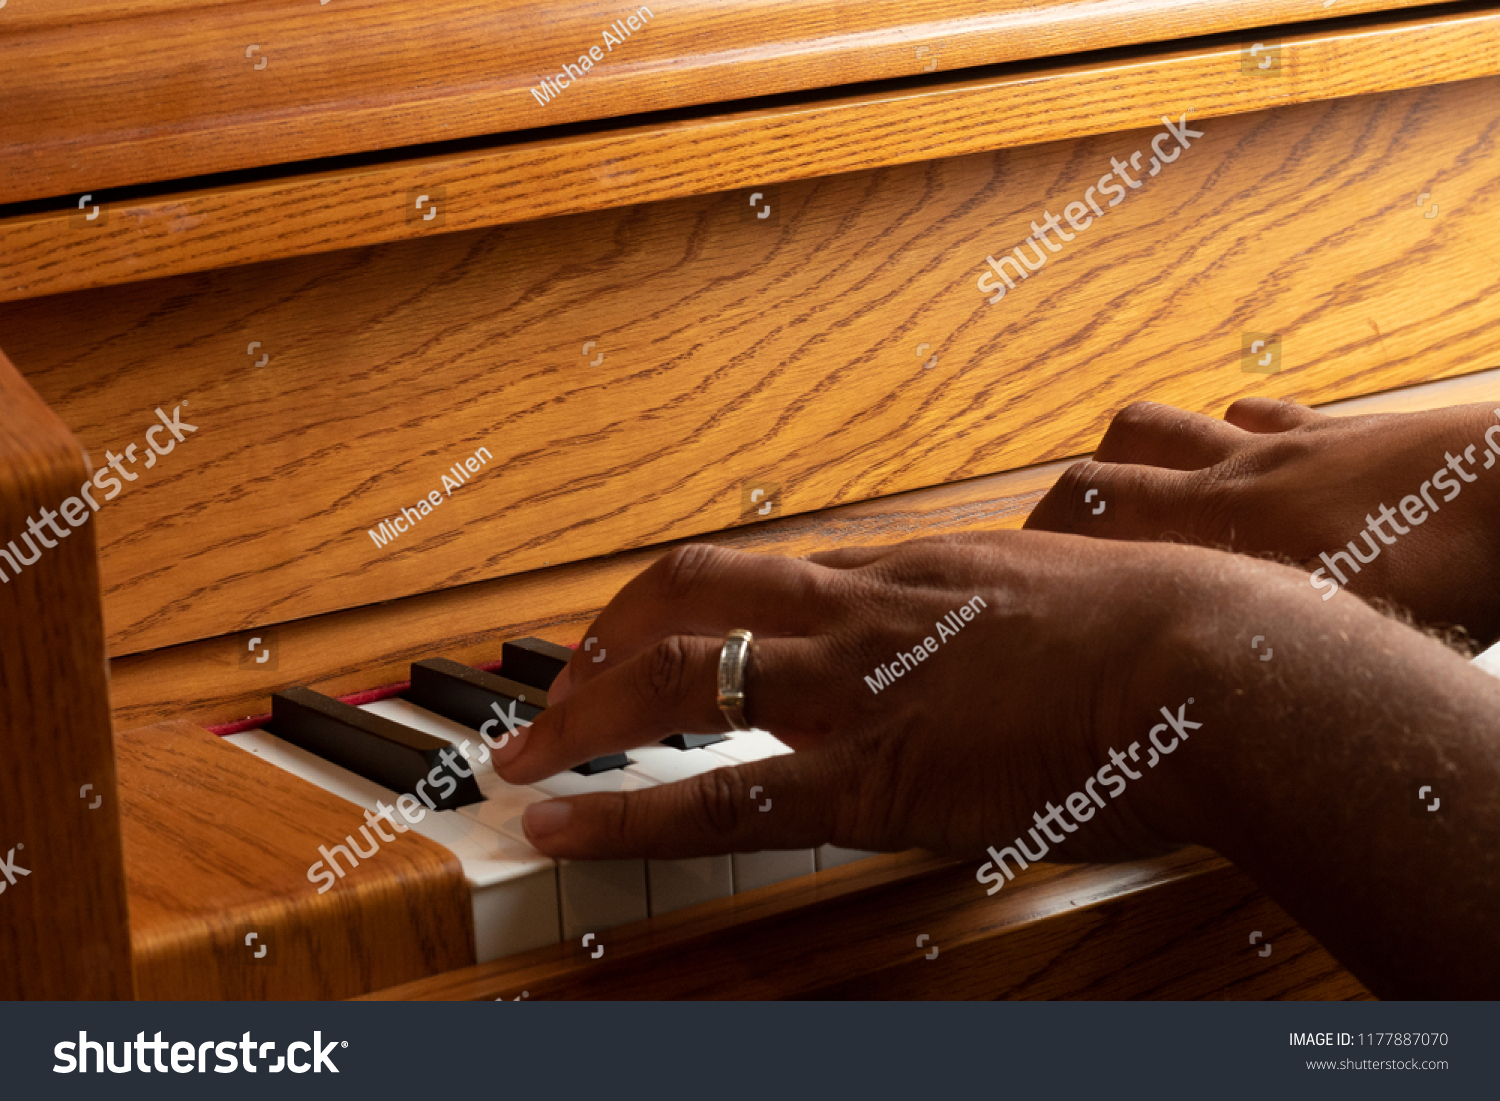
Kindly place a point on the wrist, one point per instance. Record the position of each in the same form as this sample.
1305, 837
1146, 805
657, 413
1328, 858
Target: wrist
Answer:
1207, 680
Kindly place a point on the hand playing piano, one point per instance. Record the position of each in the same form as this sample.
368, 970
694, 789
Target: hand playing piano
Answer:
949, 754
1413, 491
1078, 656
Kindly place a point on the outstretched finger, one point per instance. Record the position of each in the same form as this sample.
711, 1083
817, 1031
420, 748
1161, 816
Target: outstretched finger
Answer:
786, 802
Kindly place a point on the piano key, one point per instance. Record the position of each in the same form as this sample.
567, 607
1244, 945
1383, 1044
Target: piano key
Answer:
607, 763
593, 898
573, 783
595, 895
678, 883
500, 798
374, 747
513, 888
534, 661
312, 768
675, 884
760, 869
691, 741
1489, 661
473, 697
749, 745
667, 766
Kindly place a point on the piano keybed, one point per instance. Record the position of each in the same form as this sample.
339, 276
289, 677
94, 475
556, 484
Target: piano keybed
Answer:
522, 899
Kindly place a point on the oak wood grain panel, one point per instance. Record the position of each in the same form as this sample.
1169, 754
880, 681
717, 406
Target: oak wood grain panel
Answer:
730, 351
215, 681
1173, 927
63, 928
54, 251
218, 844
103, 94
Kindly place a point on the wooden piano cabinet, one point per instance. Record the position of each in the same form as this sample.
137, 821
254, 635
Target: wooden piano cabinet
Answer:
1175, 927
602, 311
380, 75
63, 928
218, 845
330, 391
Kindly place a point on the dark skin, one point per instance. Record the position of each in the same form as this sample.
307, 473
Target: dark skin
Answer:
1278, 478
1305, 767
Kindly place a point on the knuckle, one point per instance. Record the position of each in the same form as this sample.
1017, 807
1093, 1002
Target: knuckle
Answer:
619, 818
683, 567
1136, 415
666, 679
1077, 478
717, 801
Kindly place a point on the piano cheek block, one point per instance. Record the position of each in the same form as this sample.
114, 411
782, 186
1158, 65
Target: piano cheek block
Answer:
407, 761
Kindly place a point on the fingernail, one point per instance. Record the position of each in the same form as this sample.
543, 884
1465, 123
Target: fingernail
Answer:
542, 819
559, 690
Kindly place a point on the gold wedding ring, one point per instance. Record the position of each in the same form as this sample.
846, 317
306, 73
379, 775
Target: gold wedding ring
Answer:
734, 657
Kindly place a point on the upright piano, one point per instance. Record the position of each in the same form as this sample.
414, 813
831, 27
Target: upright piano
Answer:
343, 337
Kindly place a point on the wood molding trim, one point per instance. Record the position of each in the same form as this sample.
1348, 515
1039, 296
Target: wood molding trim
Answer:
56, 251
103, 94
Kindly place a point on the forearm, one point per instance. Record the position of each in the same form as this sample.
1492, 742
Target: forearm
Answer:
1307, 769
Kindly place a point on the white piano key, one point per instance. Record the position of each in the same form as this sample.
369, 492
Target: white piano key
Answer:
750, 745
332, 778
1489, 661
595, 895
678, 883
666, 765
513, 888
568, 782
752, 870
831, 856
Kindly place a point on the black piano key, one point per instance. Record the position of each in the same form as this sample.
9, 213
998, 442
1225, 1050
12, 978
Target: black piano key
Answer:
691, 741
472, 697
407, 761
602, 764
534, 661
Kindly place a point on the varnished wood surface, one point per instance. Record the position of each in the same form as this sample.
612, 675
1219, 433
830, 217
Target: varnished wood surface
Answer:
739, 152
63, 930
210, 682
102, 94
1174, 927
217, 845
725, 352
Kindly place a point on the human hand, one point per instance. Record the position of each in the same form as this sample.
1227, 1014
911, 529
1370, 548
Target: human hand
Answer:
1409, 489
1066, 657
